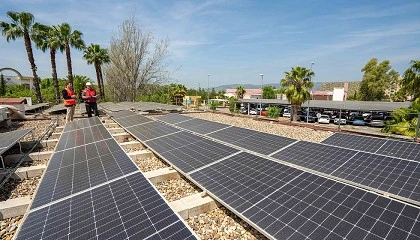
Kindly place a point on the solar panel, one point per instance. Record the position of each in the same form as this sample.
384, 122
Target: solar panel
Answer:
391, 175
128, 208
202, 126
82, 136
355, 142
174, 118
83, 123
318, 157
287, 203
133, 120
8, 139
151, 130
232, 134
77, 169
122, 114
187, 152
401, 149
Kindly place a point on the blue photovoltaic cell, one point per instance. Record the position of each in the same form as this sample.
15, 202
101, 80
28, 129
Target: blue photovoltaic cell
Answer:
188, 152
405, 150
356, 142
83, 123
133, 120
151, 130
201, 126
74, 170
174, 118
82, 136
126, 208
288, 203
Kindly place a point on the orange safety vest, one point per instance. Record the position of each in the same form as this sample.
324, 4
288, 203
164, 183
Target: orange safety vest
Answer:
69, 102
90, 93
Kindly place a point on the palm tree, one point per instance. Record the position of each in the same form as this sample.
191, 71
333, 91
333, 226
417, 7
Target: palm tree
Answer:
48, 39
69, 38
411, 80
22, 26
96, 55
240, 92
296, 86
178, 92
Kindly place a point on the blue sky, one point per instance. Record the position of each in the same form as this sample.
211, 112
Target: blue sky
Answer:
236, 40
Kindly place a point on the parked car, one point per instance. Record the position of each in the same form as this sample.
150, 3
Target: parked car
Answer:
377, 121
342, 120
254, 111
311, 117
359, 120
287, 113
324, 119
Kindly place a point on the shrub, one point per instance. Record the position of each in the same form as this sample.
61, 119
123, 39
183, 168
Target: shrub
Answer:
273, 112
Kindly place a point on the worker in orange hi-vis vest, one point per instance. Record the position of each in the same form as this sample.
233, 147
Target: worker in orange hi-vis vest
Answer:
69, 101
90, 96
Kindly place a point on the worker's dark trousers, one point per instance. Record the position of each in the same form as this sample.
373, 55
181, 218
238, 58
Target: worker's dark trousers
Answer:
92, 107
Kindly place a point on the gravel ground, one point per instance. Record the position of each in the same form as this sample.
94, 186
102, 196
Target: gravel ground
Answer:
128, 150
150, 164
220, 223
39, 127
176, 189
9, 226
16, 188
299, 133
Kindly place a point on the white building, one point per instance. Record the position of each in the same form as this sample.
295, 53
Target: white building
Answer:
28, 81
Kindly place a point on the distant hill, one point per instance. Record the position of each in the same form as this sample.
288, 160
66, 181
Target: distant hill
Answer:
317, 86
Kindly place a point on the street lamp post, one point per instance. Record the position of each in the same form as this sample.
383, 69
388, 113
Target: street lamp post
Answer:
307, 112
208, 91
262, 85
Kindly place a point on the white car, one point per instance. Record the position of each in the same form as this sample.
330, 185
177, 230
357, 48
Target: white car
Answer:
324, 119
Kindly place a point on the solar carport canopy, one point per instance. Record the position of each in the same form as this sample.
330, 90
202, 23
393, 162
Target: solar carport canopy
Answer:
347, 105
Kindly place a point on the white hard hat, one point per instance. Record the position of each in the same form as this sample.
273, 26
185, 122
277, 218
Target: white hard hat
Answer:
88, 84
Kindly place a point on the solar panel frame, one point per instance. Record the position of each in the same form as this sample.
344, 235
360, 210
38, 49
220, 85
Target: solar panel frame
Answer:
356, 142
134, 120
173, 118
127, 207
303, 205
8, 139
151, 130
201, 126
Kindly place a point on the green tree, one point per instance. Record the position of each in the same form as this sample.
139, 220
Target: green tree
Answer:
232, 104
221, 94
69, 38
375, 80
49, 90
2, 85
178, 92
47, 39
240, 92
79, 83
411, 81
296, 85
214, 105
268, 92
405, 120
23, 26
97, 56
273, 112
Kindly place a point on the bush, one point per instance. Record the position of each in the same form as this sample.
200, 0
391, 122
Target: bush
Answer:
273, 112
214, 105
232, 104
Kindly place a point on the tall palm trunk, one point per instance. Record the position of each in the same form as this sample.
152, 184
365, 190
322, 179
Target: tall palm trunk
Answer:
54, 75
33, 66
98, 77
102, 81
69, 68
295, 109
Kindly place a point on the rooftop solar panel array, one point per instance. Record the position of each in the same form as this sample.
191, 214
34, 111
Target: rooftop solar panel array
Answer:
122, 114
151, 130
174, 118
287, 203
82, 136
8, 139
93, 190
389, 147
75, 125
202, 126
133, 120
128, 208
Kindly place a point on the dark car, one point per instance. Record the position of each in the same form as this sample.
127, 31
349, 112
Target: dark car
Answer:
359, 120
311, 117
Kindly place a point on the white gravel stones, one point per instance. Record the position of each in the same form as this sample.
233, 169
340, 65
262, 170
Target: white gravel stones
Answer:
16, 188
176, 189
150, 164
9, 226
220, 223
299, 133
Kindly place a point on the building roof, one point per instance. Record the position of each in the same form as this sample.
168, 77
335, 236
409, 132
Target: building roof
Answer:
345, 105
12, 100
247, 91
